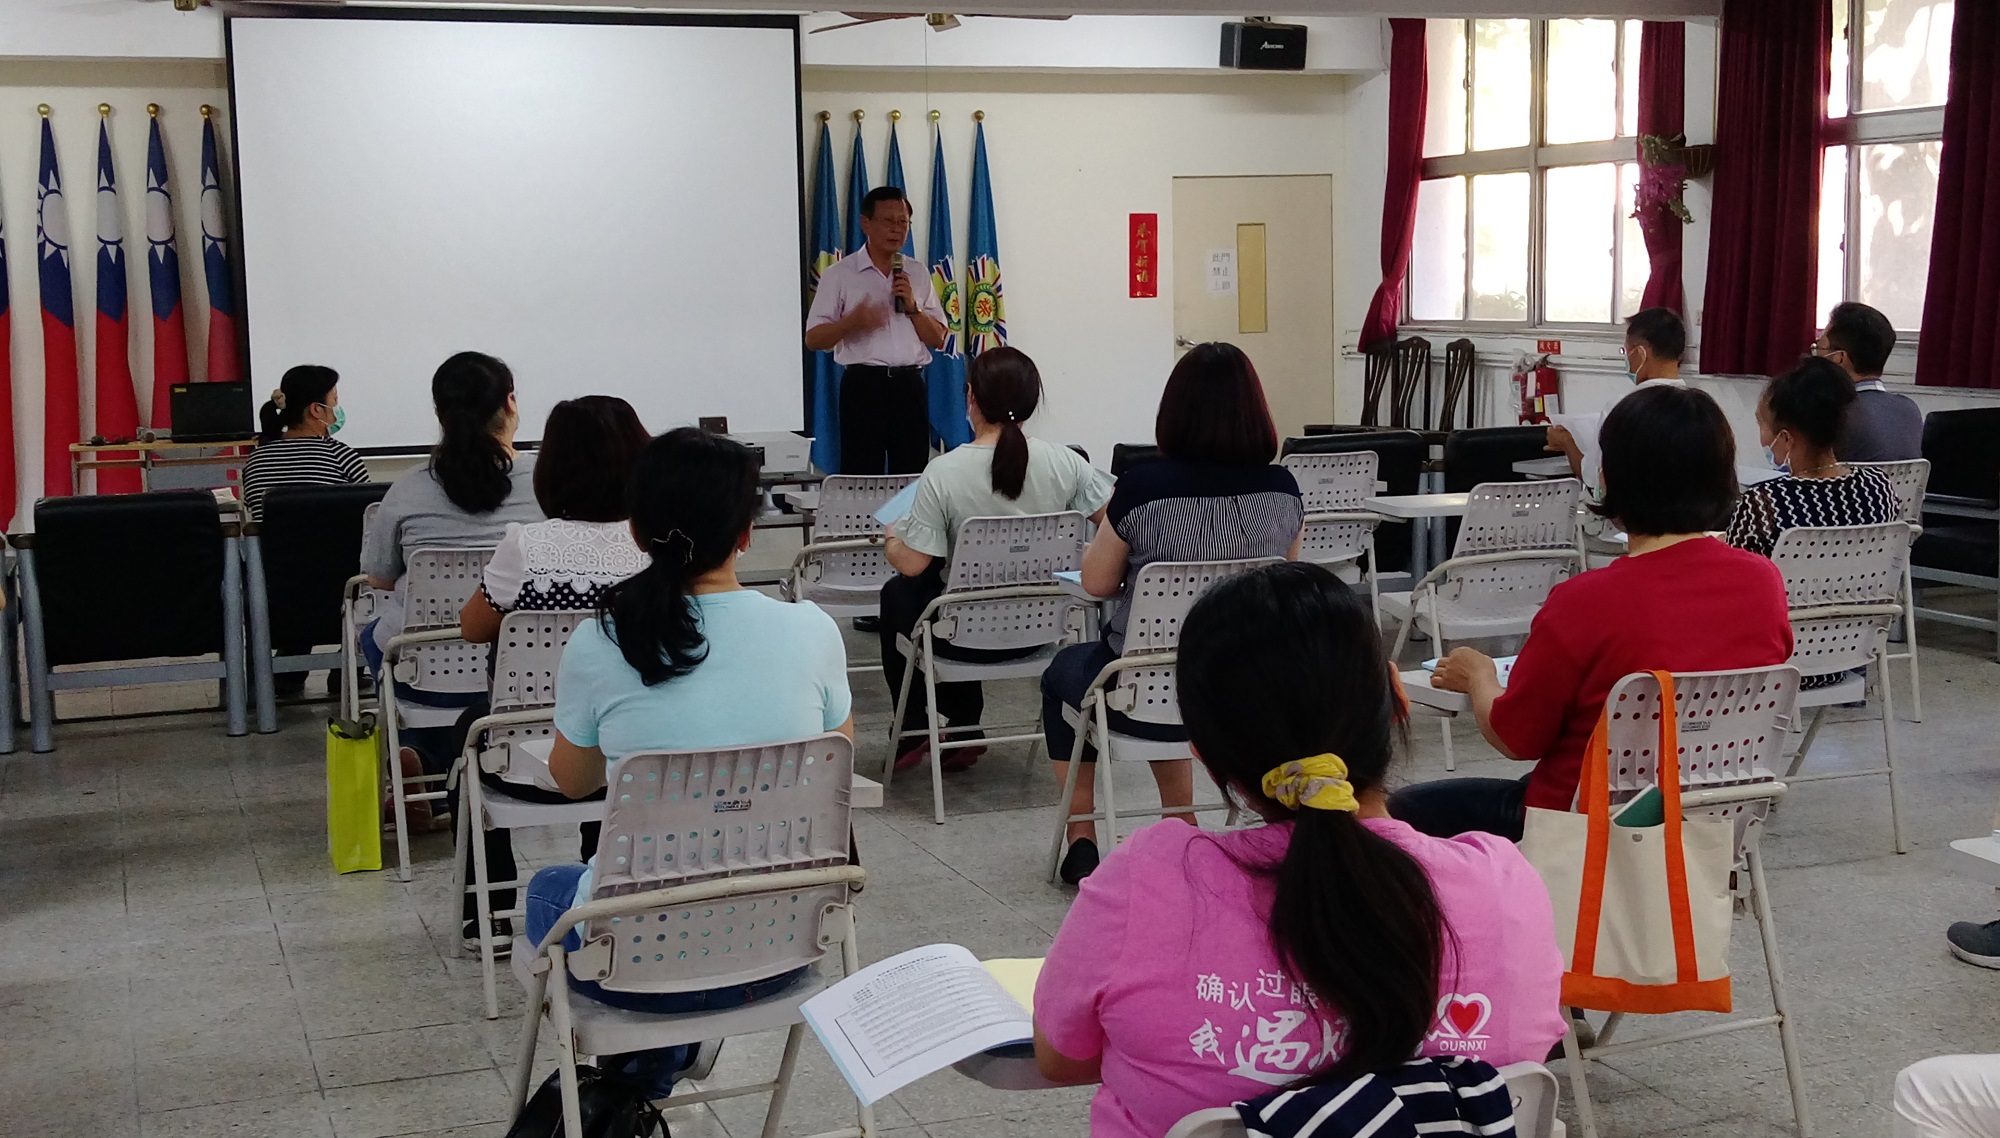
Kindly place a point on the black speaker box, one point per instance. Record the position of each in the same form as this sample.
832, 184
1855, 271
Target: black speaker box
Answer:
1264, 47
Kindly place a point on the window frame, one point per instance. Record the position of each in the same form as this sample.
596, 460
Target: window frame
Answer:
1858, 128
1535, 159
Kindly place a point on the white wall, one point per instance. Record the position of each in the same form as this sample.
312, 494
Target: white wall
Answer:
107, 29
73, 89
1102, 43
1071, 156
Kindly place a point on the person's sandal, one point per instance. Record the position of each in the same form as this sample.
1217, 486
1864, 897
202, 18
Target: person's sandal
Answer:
1080, 862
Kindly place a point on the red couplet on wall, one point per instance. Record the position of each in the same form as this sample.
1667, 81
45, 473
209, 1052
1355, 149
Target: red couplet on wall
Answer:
1145, 256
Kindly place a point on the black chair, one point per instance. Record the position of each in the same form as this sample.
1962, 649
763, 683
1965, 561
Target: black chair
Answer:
132, 577
1381, 369
1400, 457
1413, 376
1960, 544
1125, 456
297, 563
1460, 362
1487, 454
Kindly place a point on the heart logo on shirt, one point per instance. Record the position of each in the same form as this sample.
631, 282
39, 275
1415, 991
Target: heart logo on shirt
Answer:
1465, 1015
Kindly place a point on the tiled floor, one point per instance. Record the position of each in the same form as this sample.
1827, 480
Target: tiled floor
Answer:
176, 957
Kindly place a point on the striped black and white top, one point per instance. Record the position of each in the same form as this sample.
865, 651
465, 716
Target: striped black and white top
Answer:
1171, 510
303, 461
1861, 497
1421, 1097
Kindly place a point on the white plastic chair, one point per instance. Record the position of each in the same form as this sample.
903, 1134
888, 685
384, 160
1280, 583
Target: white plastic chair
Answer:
688, 899
429, 656
1532, 1086
1337, 530
1732, 730
1001, 594
1909, 480
1516, 542
1141, 685
521, 716
842, 568
358, 605
1842, 583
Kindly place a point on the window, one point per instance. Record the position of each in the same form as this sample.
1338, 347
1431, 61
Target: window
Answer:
1524, 214
1878, 193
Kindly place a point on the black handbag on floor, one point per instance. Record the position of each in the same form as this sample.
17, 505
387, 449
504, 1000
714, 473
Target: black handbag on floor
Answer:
612, 1106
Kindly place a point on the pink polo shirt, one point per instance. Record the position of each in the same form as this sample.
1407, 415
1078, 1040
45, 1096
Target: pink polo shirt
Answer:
1164, 967
851, 279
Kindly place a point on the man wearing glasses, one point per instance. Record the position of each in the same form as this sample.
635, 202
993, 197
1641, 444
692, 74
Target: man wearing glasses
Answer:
1882, 426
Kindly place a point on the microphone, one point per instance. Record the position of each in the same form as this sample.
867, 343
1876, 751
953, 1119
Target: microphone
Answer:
896, 269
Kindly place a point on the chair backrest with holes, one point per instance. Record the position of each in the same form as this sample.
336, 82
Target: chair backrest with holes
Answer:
527, 654
1909, 480
1531, 1086
1333, 483
1840, 566
847, 504
679, 817
1501, 517
995, 553
1160, 598
1734, 728
368, 600
435, 587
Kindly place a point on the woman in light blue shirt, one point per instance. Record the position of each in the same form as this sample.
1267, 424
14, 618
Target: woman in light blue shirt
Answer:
680, 657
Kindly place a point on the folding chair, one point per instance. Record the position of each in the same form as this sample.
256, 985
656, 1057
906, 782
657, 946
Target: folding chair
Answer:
1531, 1085
1516, 542
685, 902
1733, 726
1843, 585
842, 567
1001, 594
519, 724
1140, 684
358, 605
296, 564
428, 656
1909, 479
131, 578
1338, 532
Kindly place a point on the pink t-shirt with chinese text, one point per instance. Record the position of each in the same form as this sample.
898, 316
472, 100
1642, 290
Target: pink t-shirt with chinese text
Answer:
1165, 968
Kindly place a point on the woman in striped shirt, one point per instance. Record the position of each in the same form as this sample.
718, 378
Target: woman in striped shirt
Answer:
295, 446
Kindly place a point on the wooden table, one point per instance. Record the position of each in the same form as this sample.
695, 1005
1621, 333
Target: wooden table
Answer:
161, 453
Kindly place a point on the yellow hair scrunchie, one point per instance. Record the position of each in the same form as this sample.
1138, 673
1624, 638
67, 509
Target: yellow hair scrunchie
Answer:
1317, 783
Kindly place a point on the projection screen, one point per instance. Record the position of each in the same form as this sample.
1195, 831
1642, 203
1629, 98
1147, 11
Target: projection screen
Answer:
611, 207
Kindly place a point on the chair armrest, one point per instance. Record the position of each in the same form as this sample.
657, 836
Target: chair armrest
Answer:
1832, 612
1003, 593
23, 540
628, 903
412, 639
1726, 795
1362, 516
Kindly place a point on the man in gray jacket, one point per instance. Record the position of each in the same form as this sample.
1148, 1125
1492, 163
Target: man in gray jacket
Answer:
1882, 426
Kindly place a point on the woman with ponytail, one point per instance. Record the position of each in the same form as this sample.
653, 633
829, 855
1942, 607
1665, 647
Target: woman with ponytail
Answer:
1000, 472
682, 656
1198, 968
295, 446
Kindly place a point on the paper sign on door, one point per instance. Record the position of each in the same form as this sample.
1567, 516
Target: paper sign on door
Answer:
1221, 272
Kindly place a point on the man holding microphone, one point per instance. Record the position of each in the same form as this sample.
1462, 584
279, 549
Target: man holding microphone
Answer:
881, 323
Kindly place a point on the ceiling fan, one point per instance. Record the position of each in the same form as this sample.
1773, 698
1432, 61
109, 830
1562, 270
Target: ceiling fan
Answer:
939, 21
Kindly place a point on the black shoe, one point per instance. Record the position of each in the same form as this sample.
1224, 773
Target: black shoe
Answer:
503, 932
867, 624
288, 684
1975, 943
1080, 862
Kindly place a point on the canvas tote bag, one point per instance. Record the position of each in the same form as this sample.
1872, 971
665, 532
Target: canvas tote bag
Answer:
1642, 913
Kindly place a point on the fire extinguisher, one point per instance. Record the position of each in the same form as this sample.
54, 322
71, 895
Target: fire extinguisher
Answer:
1537, 389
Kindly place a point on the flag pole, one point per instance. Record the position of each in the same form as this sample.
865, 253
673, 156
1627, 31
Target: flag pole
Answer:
153, 109
826, 116
44, 109
104, 109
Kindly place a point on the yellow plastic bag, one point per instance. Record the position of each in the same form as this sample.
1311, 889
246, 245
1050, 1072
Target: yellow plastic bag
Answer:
353, 795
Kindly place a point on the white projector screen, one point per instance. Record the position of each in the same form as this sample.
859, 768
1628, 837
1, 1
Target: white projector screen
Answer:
611, 207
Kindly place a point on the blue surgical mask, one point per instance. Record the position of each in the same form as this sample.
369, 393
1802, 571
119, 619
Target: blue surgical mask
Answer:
1631, 377
1771, 459
339, 421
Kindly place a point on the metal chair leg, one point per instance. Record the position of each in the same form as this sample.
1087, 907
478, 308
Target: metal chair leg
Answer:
393, 743
936, 734
1106, 792
782, 1086
1579, 1083
262, 690
1889, 739
896, 719
472, 802
1066, 805
1812, 732
235, 686
41, 699
1788, 1043
1910, 643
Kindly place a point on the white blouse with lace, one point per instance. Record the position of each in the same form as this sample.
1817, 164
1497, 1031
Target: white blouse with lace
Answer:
559, 564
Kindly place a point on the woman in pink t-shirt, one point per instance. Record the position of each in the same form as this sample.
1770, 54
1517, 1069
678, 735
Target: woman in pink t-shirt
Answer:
1197, 969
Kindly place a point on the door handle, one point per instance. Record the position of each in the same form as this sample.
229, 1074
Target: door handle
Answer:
1182, 343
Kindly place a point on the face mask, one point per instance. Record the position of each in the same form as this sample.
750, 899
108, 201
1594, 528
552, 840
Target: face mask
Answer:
339, 421
1771, 457
1631, 371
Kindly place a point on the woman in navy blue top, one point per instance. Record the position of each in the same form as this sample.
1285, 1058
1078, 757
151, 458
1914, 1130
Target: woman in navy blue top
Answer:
1213, 495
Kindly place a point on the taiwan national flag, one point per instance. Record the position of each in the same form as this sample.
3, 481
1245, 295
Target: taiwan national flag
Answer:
944, 377
225, 365
9, 488
117, 407
60, 421
985, 313
163, 272
857, 188
822, 374
894, 177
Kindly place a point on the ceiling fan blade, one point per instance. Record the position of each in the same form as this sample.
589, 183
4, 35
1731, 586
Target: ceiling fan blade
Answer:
1012, 16
860, 18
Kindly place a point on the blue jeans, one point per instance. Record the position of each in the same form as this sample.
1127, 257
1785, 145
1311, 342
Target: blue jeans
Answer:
551, 893
1067, 677
1453, 806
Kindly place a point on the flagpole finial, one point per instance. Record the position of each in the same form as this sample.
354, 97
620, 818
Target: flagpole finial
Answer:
153, 109
826, 116
895, 116
858, 113
936, 115
104, 109
44, 110
207, 110
979, 116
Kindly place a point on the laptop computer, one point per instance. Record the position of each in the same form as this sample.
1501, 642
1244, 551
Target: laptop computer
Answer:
210, 412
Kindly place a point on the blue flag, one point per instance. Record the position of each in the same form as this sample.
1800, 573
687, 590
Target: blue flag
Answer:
985, 313
857, 188
895, 178
944, 378
822, 373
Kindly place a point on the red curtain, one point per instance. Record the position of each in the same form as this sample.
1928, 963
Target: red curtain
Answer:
1770, 103
1960, 345
1663, 112
1408, 91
